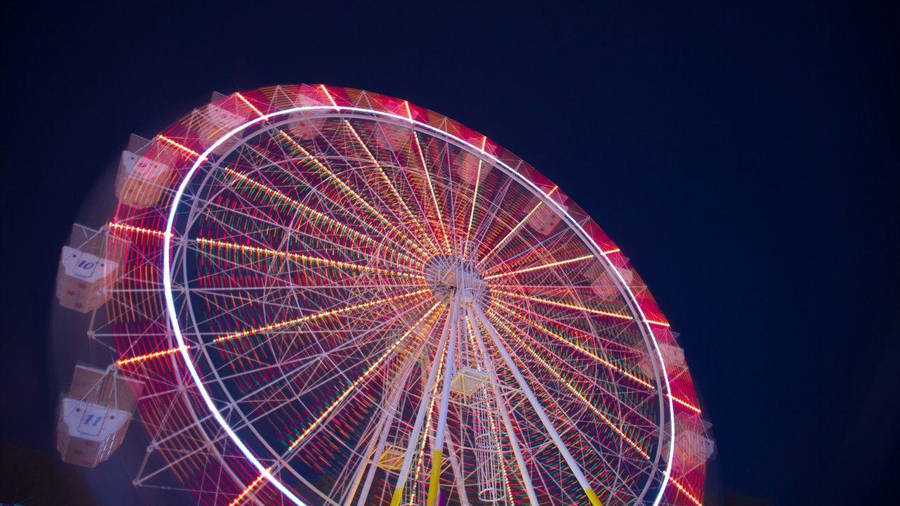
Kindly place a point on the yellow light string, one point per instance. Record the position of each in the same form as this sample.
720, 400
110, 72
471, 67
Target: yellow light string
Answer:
516, 228
567, 305
497, 267
506, 308
330, 176
316, 316
381, 172
360, 379
437, 208
474, 198
309, 260
539, 267
574, 390
684, 491
312, 212
321, 166
156, 354
249, 487
244, 100
140, 230
177, 145
587, 352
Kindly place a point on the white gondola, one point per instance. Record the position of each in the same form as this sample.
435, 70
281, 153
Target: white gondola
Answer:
142, 178
306, 129
673, 357
219, 114
604, 287
693, 445
545, 219
393, 139
300, 125
214, 120
88, 267
94, 416
469, 170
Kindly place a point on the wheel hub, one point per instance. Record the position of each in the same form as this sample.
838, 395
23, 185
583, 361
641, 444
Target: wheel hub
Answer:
449, 277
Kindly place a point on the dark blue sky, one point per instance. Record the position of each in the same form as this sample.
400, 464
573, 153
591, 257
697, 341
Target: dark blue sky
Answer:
744, 157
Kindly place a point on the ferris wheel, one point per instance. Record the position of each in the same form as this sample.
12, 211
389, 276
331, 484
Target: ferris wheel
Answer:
329, 296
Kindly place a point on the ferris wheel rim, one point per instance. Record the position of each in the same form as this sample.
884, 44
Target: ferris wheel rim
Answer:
622, 285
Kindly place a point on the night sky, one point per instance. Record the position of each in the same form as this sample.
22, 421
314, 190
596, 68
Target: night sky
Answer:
743, 157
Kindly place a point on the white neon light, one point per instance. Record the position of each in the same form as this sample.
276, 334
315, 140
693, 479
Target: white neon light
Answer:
170, 301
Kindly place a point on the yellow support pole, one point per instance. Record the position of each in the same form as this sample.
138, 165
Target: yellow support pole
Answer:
592, 496
397, 497
437, 457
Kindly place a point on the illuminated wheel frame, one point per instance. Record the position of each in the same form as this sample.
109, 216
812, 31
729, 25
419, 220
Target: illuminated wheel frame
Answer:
345, 298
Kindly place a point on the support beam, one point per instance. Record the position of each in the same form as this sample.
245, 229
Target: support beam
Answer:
458, 477
383, 428
420, 415
474, 200
504, 414
437, 454
538, 409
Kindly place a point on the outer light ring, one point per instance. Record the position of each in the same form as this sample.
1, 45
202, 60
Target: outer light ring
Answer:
179, 337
